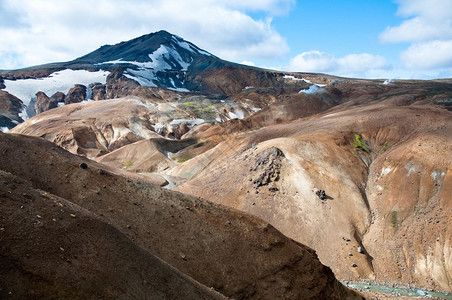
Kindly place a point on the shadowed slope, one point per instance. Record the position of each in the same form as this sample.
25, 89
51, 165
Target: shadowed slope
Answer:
52, 248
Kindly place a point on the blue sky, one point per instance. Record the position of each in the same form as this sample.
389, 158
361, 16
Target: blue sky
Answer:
369, 39
352, 26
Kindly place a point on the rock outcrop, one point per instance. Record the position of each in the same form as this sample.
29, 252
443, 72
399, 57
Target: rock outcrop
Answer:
44, 103
76, 94
58, 97
98, 90
10, 108
119, 85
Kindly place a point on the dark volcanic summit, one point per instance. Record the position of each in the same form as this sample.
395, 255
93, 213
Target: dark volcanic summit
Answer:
141, 49
157, 60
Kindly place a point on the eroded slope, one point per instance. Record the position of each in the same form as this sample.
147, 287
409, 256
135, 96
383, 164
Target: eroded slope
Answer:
238, 255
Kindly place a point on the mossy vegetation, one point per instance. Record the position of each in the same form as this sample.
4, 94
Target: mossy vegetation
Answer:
127, 164
200, 110
384, 146
359, 144
394, 219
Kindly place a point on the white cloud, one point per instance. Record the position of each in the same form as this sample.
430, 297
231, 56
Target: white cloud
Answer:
313, 61
428, 28
352, 65
274, 7
51, 30
429, 55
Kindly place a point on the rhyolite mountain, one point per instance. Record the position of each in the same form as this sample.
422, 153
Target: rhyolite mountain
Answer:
358, 170
156, 60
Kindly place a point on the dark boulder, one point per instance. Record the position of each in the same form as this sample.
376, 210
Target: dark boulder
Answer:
58, 97
99, 91
76, 95
321, 194
268, 163
44, 103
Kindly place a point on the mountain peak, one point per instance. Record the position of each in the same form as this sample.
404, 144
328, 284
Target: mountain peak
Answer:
140, 49
155, 59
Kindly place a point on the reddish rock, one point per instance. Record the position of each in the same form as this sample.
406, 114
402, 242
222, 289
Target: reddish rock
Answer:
99, 91
44, 103
58, 97
76, 94
119, 85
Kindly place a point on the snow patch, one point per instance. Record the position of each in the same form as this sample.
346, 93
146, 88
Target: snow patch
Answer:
313, 89
437, 175
189, 122
256, 109
4, 129
144, 76
158, 62
23, 113
158, 128
189, 47
184, 45
294, 78
61, 81
158, 59
388, 81
183, 90
34, 120
232, 115
301, 79
141, 131
411, 168
385, 171
239, 114
247, 88
163, 59
118, 133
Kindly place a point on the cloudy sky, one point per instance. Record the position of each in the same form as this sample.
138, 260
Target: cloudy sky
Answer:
371, 38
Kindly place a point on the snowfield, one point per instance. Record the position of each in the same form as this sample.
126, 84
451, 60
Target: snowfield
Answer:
62, 81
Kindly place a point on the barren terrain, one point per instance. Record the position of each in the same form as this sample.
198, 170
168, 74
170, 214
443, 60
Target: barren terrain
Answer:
262, 171
73, 228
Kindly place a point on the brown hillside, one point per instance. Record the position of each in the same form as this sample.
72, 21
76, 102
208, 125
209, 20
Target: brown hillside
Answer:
238, 255
391, 200
54, 249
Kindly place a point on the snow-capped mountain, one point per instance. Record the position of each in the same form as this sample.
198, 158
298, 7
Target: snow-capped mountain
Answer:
156, 60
